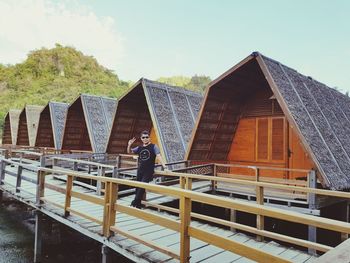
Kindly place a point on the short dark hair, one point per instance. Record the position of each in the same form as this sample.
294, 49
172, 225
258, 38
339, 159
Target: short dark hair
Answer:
144, 132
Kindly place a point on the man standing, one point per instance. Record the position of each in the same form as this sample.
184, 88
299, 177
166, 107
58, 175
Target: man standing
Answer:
147, 153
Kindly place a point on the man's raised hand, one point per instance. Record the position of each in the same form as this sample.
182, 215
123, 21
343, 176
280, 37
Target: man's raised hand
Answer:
131, 141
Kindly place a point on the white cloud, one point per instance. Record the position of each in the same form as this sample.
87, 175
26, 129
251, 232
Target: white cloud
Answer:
26, 25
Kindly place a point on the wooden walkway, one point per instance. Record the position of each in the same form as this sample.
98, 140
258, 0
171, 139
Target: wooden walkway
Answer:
129, 226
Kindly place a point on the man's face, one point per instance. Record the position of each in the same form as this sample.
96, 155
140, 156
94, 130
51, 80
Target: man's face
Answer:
145, 138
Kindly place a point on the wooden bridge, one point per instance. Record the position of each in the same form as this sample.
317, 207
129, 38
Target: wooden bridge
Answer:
93, 198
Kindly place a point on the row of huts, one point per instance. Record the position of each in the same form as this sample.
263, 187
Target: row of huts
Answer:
260, 112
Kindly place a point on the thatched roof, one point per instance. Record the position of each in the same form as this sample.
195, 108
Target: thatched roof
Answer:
9, 135
319, 114
88, 123
28, 125
51, 125
170, 110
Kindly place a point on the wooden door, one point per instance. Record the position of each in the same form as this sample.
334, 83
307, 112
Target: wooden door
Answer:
298, 158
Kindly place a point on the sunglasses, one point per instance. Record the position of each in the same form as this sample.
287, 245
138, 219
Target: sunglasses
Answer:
144, 137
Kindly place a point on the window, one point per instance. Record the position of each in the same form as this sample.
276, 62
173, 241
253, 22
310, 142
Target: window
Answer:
270, 139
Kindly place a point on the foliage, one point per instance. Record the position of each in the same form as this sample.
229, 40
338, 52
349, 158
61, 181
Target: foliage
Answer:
195, 83
58, 74
61, 74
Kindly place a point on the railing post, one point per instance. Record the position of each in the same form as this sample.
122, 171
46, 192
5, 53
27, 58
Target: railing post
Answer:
115, 172
118, 161
75, 166
213, 182
312, 230
2, 171
67, 202
260, 220
188, 183
19, 178
185, 218
42, 161
106, 209
182, 182
345, 236
40, 190
113, 196
100, 172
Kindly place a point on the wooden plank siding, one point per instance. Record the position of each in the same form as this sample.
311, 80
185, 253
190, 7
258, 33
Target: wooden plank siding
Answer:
45, 135
241, 122
76, 136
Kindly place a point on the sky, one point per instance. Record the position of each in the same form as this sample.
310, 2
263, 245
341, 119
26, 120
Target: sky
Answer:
162, 38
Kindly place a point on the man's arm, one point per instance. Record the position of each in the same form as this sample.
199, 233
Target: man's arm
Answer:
160, 159
130, 142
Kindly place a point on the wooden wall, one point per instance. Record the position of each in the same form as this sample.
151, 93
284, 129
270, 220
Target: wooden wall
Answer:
45, 133
6, 135
76, 136
242, 123
22, 135
131, 119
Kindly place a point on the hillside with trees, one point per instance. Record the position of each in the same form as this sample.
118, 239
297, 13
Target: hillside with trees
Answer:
61, 74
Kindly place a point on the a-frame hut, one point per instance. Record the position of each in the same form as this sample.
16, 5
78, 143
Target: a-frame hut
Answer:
261, 112
28, 125
9, 135
168, 112
88, 123
51, 125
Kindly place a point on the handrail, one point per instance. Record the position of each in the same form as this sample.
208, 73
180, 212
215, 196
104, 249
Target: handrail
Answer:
225, 203
110, 204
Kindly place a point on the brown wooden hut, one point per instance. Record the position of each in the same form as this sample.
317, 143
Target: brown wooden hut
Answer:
168, 112
88, 123
51, 125
9, 135
261, 112
28, 125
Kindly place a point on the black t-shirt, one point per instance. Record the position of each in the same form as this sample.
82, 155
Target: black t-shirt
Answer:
147, 156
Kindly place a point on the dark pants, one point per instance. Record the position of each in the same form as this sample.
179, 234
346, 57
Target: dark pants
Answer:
144, 177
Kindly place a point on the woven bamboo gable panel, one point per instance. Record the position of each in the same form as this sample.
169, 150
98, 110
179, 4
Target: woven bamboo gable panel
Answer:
28, 125
97, 114
318, 114
51, 125
167, 110
175, 110
322, 115
9, 135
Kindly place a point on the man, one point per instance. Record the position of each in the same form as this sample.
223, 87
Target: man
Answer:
147, 153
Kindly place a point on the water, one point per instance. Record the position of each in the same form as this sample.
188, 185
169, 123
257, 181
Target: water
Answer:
60, 243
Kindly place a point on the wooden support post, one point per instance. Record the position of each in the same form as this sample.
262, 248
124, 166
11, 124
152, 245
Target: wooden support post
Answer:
118, 161
260, 220
104, 251
113, 196
182, 182
185, 218
40, 188
346, 214
233, 218
54, 163
100, 172
67, 202
38, 237
42, 161
188, 183
19, 178
214, 183
115, 173
312, 230
106, 209
2, 171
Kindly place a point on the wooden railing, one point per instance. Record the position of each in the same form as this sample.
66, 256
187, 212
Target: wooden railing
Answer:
109, 202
